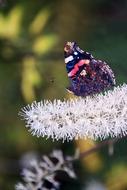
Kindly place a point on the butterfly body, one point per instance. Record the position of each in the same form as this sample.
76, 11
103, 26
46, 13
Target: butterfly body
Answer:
87, 75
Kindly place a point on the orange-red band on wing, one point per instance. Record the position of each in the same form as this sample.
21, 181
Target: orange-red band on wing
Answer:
76, 67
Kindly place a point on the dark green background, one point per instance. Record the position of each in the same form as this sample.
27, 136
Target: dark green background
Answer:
98, 26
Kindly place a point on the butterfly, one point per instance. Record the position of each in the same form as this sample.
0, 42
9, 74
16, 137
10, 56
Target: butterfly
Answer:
87, 75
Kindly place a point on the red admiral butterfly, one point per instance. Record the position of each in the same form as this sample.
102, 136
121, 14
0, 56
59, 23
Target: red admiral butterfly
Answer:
87, 75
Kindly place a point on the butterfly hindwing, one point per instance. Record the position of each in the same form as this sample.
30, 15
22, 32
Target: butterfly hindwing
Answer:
92, 80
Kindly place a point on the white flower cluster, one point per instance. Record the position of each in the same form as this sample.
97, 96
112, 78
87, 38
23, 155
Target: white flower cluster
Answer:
100, 116
41, 175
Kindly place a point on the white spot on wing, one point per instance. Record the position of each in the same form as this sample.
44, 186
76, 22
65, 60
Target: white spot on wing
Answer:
94, 60
83, 73
80, 50
89, 54
75, 53
70, 58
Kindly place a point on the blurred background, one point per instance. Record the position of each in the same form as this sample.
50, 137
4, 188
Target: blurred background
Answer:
32, 36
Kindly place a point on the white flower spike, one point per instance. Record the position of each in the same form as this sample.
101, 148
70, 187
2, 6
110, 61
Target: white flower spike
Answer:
98, 117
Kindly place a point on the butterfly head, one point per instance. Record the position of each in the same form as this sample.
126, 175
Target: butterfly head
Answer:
69, 48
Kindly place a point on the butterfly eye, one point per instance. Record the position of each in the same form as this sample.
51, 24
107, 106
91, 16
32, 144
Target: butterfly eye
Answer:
67, 48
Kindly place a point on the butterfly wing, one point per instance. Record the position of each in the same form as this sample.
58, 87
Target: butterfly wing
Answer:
87, 75
93, 78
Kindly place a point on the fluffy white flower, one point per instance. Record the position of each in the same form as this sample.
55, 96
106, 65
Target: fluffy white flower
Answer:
101, 116
43, 174
20, 186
